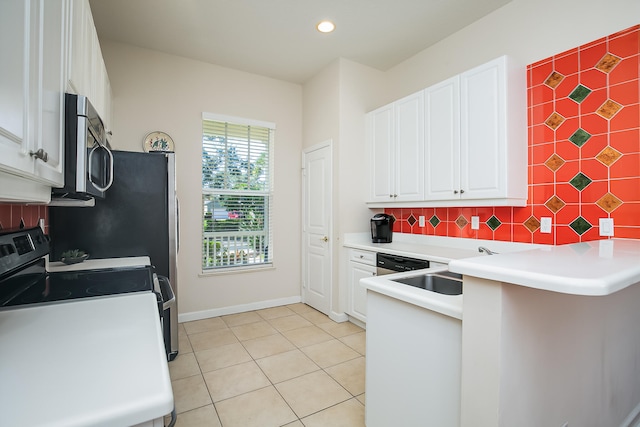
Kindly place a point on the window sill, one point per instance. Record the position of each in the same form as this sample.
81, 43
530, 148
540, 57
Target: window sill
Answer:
236, 270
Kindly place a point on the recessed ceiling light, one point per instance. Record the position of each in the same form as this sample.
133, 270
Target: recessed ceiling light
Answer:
326, 26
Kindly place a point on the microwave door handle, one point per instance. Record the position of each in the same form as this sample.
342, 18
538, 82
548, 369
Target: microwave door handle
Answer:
97, 187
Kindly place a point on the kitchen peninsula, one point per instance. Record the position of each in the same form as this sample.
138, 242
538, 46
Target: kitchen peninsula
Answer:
550, 336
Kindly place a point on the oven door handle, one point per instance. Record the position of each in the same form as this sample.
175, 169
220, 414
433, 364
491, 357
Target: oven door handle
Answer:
168, 297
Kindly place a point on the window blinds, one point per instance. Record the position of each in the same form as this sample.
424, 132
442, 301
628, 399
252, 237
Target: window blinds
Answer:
236, 194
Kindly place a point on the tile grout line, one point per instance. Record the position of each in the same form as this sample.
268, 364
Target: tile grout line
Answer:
296, 347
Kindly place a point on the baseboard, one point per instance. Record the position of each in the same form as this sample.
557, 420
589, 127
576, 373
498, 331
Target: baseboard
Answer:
633, 419
215, 312
357, 322
338, 317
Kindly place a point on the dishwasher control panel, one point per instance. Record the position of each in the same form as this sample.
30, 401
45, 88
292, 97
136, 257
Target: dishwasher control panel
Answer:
396, 263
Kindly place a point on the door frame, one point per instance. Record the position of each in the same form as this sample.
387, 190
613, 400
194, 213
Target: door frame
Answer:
303, 285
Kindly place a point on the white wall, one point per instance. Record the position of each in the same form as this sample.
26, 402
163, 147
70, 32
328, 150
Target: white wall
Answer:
527, 30
335, 103
155, 91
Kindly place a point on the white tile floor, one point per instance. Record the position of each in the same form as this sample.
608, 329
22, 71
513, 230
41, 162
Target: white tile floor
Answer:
282, 366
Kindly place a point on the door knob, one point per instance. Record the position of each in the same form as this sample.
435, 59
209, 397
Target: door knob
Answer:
325, 239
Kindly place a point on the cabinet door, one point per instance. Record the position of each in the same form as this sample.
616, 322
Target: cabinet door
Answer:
79, 54
380, 136
483, 125
357, 293
442, 140
49, 115
409, 148
15, 50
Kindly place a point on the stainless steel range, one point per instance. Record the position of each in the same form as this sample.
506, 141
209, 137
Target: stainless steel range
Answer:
25, 280
96, 334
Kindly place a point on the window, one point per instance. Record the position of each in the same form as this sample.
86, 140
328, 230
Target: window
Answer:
236, 192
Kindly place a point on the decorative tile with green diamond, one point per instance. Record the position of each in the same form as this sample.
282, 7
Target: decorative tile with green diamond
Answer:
434, 221
580, 93
493, 223
580, 225
580, 181
580, 137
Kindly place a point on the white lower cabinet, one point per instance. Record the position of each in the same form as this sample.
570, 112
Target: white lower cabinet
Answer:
413, 366
361, 264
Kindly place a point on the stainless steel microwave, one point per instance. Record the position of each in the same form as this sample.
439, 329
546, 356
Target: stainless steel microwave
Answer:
88, 162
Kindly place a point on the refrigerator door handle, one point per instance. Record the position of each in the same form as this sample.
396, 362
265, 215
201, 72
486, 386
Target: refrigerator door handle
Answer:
177, 224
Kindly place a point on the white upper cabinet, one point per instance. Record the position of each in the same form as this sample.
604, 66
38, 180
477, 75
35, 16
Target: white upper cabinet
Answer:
442, 140
49, 127
380, 135
33, 45
488, 171
476, 138
396, 139
474, 143
15, 88
87, 71
80, 45
37, 38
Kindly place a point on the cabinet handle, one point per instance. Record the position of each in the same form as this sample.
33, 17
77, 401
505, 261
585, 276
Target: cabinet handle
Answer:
455, 191
395, 195
461, 191
391, 196
40, 154
361, 256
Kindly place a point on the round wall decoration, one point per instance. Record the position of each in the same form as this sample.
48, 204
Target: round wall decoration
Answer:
158, 141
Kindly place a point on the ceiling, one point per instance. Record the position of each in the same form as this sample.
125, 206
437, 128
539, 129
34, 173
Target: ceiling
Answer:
277, 38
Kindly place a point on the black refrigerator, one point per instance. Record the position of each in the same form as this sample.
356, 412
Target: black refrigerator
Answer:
137, 217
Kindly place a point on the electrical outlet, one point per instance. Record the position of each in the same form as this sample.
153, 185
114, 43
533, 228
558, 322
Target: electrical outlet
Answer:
606, 227
545, 225
421, 221
475, 222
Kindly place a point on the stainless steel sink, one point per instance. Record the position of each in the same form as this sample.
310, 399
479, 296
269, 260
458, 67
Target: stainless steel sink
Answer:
443, 282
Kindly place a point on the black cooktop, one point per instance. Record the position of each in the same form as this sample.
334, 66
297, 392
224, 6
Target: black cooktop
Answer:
24, 280
34, 285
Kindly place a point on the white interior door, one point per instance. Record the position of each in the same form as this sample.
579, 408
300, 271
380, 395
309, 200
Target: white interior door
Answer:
316, 269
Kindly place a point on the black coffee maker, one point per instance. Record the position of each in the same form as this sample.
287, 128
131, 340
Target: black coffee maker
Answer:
382, 228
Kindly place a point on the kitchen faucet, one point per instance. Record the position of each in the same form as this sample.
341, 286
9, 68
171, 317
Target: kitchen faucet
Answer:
486, 250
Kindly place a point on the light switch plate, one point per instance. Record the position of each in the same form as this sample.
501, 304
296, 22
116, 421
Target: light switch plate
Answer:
545, 225
421, 221
475, 222
606, 227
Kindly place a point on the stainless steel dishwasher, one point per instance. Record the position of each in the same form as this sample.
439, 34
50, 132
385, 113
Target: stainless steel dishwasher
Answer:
389, 264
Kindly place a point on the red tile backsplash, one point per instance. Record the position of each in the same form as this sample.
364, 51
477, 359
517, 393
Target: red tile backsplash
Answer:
11, 215
609, 158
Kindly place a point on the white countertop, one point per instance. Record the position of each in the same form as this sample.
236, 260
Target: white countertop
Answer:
599, 267
433, 248
95, 361
99, 264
